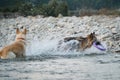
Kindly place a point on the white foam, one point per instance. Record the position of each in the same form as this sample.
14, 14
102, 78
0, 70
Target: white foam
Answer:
11, 55
37, 47
47, 46
95, 50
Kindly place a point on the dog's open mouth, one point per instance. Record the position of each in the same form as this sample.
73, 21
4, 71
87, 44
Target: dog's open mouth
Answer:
99, 46
98, 43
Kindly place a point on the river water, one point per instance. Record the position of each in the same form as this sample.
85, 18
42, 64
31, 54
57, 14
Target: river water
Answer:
62, 67
45, 62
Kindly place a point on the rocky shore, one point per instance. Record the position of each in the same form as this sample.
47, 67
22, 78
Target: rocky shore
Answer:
107, 28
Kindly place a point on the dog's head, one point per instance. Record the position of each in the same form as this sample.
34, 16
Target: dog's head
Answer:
21, 35
91, 38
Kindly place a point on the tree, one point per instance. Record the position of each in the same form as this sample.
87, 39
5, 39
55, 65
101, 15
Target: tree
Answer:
26, 9
62, 8
53, 8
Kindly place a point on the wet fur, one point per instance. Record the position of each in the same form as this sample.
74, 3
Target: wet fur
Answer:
84, 42
17, 47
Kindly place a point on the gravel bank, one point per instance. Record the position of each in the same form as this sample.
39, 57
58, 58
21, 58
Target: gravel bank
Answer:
107, 28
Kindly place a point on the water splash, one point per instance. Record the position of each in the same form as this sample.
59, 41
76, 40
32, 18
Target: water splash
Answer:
50, 47
37, 47
95, 50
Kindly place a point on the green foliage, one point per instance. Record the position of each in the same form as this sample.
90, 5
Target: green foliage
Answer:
10, 5
53, 8
45, 10
93, 4
62, 8
26, 9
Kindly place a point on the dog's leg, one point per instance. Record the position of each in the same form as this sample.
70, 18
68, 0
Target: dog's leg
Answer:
20, 54
23, 54
4, 54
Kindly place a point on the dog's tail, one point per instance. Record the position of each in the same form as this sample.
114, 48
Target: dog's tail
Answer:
0, 53
69, 38
73, 38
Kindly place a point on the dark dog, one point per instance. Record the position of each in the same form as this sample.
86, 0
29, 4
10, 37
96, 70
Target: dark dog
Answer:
79, 43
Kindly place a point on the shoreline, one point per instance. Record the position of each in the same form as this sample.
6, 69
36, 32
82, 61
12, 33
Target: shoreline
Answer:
106, 27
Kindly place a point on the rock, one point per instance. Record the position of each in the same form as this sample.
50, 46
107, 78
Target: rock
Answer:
60, 16
114, 31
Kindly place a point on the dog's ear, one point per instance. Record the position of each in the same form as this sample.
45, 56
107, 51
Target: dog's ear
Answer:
93, 33
25, 31
17, 31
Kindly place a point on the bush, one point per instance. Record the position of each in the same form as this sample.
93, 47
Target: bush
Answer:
88, 12
62, 8
108, 12
26, 9
54, 8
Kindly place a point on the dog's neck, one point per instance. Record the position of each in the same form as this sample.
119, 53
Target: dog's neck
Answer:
20, 39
